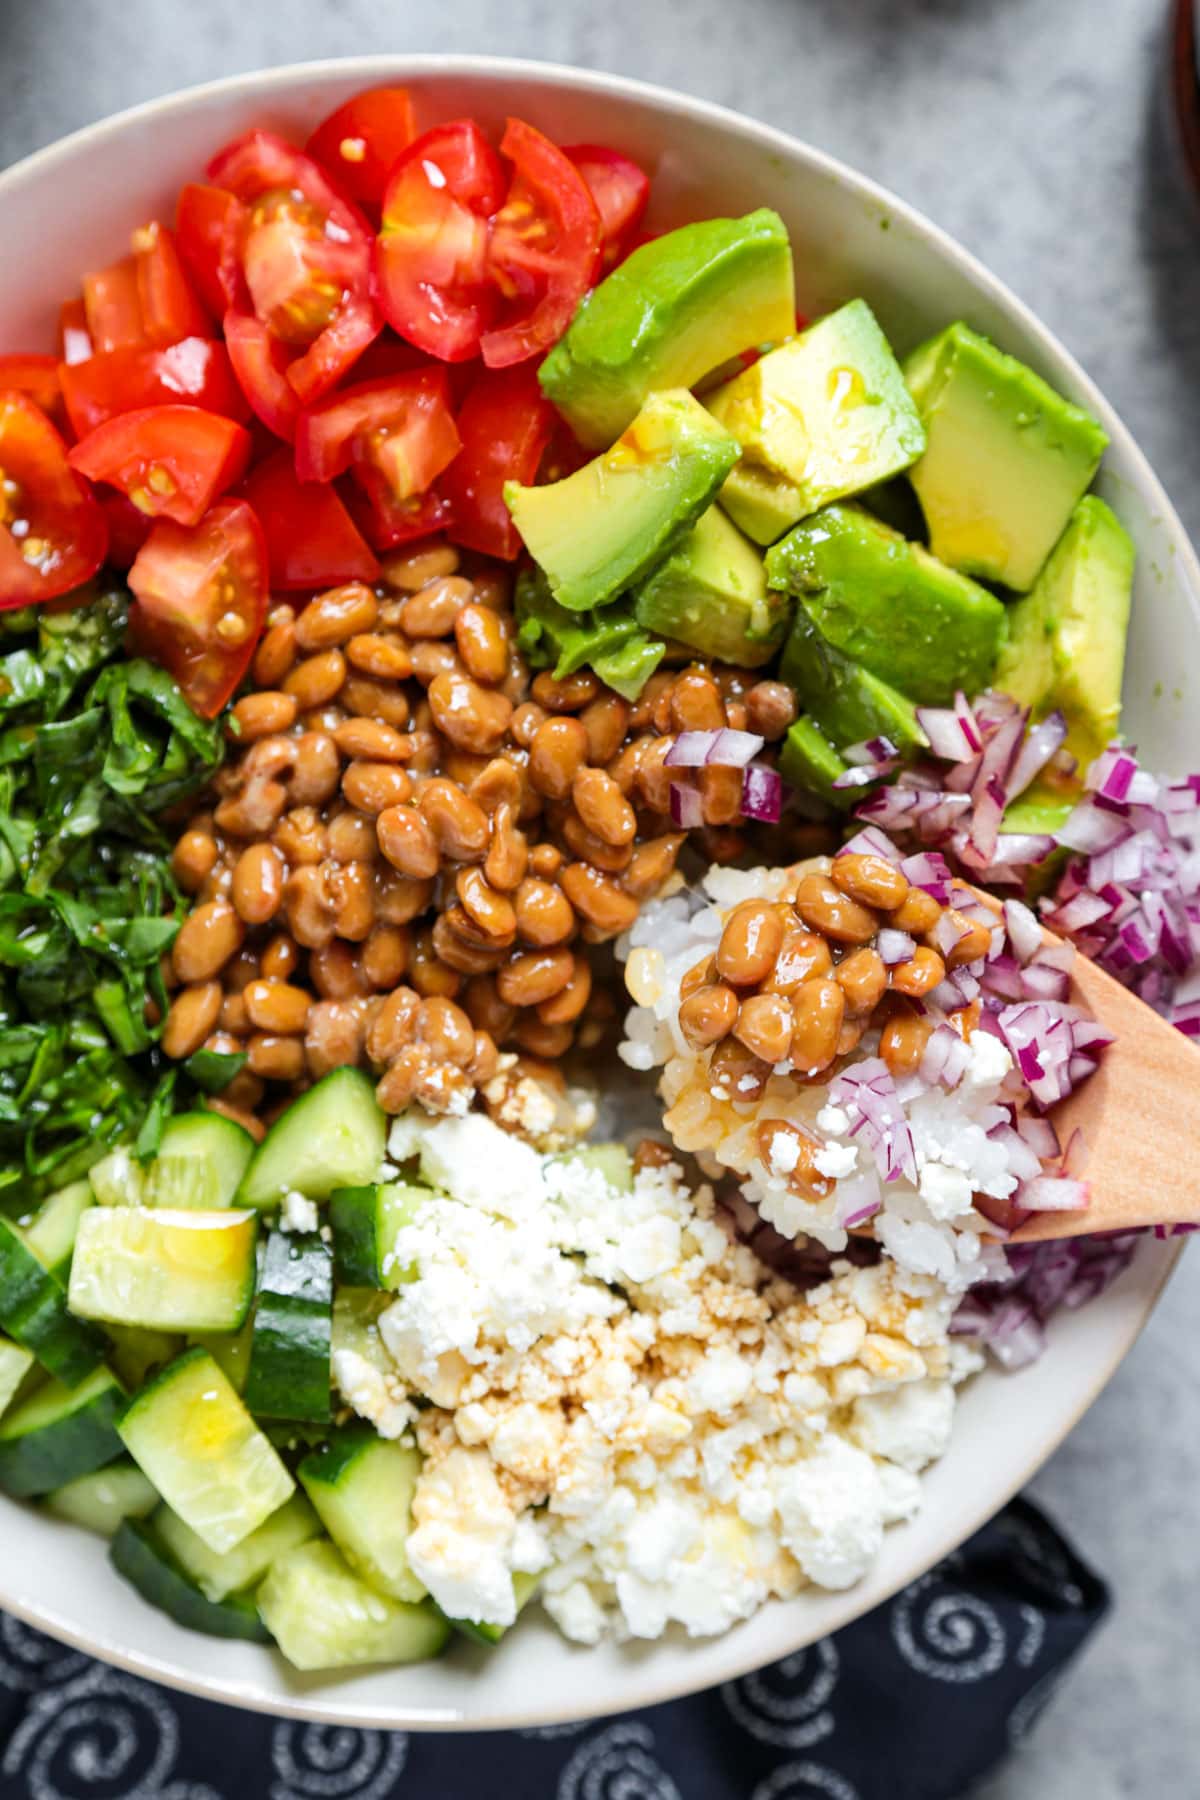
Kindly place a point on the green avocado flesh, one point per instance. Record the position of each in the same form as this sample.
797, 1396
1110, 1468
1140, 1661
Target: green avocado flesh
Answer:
1007, 457
611, 642
1066, 642
711, 594
848, 703
809, 761
890, 605
603, 528
820, 418
674, 310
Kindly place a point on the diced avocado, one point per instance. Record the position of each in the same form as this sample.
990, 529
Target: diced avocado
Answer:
603, 528
1038, 811
711, 593
674, 310
1007, 457
890, 605
821, 417
611, 642
629, 668
848, 703
808, 761
1066, 641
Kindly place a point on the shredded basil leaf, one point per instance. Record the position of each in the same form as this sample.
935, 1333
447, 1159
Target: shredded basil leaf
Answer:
213, 1070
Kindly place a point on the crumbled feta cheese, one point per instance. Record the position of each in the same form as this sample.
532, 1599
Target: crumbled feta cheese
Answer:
297, 1213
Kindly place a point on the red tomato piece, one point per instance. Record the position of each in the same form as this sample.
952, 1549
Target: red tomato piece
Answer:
113, 306
208, 224
386, 525
196, 371
305, 258
312, 541
36, 376
171, 461
620, 190
397, 434
360, 142
53, 533
261, 364
170, 309
431, 254
202, 595
73, 339
504, 424
128, 528
543, 247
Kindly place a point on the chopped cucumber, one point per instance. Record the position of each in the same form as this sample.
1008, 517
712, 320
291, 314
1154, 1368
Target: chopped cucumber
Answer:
525, 1586
101, 1500
33, 1310
59, 1433
333, 1136
356, 1326
201, 1159
139, 1554
15, 1364
612, 1161
118, 1179
137, 1351
190, 1433
323, 1617
362, 1486
365, 1223
178, 1271
229, 1349
218, 1575
289, 1375
50, 1234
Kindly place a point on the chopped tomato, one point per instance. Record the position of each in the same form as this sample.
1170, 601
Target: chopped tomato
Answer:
171, 461
312, 541
386, 525
261, 363
305, 258
73, 339
128, 528
397, 434
52, 531
361, 141
202, 596
504, 424
113, 306
170, 309
196, 371
36, 376
543, 247
620, 190
431, 254
208, 224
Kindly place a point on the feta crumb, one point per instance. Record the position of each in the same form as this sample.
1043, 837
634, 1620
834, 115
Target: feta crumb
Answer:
298, 1213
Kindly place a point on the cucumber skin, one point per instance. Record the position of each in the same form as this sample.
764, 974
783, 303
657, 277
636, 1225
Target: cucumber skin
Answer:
289, 1375
78, 1501
362, 1129
33, 1310
310, 1581
353, 1215
38, 1462
139, 1555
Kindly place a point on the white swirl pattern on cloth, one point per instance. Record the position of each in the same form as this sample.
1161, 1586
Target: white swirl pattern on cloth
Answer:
617, 1764
30, 1662
805, 1781
335, 1762
949, 1636
786, 1705
106, 1733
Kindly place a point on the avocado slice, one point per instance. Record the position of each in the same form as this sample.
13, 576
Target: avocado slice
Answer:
1066, 640
890, 605
629, 667
848, 703
604, 528
711, 593
821, 417
673, 311
809, 761
610, 642
1006, 461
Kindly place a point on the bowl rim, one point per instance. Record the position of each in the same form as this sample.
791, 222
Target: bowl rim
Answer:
686, 108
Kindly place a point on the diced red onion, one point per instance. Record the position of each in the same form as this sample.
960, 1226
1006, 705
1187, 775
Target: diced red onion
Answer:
870, 842
868, 1092
687, 806
895, 946
725, 749
1051, 1193
762, 793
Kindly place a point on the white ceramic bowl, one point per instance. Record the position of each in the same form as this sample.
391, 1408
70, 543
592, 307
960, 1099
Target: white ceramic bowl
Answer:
70, 208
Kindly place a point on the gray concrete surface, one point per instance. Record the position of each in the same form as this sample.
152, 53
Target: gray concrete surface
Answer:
1030, 129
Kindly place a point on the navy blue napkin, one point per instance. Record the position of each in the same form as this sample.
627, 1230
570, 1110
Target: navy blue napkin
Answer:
915, 1702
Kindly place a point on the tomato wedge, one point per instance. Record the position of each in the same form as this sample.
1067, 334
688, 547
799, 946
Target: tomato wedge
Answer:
73, 340
53, 533
388, 524
397, 434
208, 224
504, 424
431, 254
36, 376
312, 542
128, 528
170, 309
202, 597
171, 461
261, 363
620, 190
305, 258
113, 306
361, 141
543, 247
196, 371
